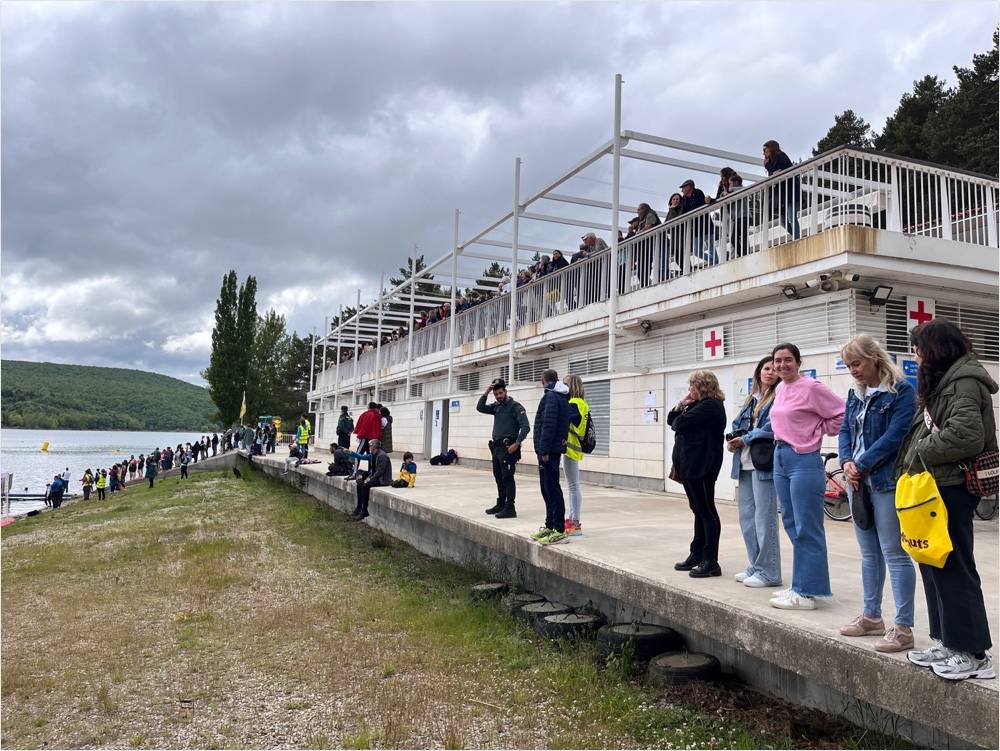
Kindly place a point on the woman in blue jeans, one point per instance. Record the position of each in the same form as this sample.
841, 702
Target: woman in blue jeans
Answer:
804, 410
755, 490
880, 409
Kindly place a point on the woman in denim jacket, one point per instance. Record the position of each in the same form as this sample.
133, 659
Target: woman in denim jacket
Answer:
880, 408
758, 503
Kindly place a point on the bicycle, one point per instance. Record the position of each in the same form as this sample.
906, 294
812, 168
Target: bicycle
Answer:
836, 502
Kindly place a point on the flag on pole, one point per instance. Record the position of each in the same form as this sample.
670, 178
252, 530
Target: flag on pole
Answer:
243, 407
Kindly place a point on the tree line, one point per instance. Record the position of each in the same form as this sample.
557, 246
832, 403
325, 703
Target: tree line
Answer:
955, 126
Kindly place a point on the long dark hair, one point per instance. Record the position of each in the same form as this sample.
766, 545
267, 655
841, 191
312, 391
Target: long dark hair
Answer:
941, 343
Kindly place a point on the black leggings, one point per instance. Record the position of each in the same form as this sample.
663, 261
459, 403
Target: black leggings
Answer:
707, 525
150, 481
101, 494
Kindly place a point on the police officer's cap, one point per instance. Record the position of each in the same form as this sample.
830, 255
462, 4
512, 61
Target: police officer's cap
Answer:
499, 383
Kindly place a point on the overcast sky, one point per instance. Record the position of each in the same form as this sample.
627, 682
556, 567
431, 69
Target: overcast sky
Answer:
147, 148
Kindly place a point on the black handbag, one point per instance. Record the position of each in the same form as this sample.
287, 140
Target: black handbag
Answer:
862, 510
762, 455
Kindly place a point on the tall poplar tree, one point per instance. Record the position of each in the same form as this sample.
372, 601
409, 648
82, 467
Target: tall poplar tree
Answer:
246, 332
224, 362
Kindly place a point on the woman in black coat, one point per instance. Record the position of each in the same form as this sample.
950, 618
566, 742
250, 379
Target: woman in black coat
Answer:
699, 425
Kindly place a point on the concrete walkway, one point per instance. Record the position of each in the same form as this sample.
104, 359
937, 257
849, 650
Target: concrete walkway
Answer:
641, 535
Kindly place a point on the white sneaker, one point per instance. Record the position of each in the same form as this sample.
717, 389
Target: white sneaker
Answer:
781, 593
741, 576
794, 601
925, 658
756, 582
962, 665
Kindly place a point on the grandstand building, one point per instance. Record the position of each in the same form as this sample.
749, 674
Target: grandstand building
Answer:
843, 243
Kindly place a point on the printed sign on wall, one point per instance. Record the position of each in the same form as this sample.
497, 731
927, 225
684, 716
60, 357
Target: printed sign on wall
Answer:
918, 310
713, 343
910, 371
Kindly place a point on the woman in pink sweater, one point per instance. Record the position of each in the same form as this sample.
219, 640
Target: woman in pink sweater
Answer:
804, 411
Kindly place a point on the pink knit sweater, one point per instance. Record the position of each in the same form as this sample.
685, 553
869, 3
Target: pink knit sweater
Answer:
804, 410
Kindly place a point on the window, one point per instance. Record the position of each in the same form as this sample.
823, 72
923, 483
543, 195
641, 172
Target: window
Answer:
598, 396
468, 382
530, 370
387, 395
416, 390
589, 365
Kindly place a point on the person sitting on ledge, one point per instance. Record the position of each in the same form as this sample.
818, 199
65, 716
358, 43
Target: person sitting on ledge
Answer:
341, 464
407, 472
380, 476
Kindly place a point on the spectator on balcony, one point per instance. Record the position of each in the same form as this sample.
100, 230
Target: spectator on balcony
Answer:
691, 197
503, 288
786, 196
674, 209
647, 217
724, 174
558, 262
591, 244
434, 316
542, 267
739, 218
423, 320
703, 232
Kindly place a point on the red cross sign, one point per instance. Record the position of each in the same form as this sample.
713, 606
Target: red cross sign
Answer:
713, 340
918, 310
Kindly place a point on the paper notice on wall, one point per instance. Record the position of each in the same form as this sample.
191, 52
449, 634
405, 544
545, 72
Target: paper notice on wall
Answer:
649, 416
650, 400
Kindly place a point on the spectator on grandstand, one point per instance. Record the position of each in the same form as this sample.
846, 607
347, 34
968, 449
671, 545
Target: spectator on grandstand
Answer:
647, 217
558, 262
786, 196
542, 267
591, 244
423, 319
674, 209
739, 218
691, 197
724, 174
703, 233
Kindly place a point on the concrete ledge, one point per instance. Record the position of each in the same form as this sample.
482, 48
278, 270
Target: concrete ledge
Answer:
796, 656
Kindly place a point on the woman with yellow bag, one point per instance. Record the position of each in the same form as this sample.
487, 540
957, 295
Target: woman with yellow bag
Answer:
954, 425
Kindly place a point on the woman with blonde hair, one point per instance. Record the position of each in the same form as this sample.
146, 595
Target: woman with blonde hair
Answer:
699, 424
753, 471
880, 407
578, 412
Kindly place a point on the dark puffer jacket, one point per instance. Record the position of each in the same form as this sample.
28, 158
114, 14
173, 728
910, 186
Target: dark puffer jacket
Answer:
962, 409
552, 420
699, 430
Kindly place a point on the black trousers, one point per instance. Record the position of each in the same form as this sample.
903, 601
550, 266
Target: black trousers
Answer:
707, 525
344, 440
86, 492
101, 494
150, 481
956, 612
364, 493
184, 471
555, 504
504, 466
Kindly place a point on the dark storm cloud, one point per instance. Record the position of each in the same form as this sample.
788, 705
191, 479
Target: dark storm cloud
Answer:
148, 148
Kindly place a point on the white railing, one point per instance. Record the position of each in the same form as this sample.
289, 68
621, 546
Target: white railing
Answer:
845, 187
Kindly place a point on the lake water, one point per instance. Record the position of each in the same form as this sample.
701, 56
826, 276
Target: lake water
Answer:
21, 454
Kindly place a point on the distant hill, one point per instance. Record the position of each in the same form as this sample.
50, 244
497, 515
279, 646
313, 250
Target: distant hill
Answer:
81, 397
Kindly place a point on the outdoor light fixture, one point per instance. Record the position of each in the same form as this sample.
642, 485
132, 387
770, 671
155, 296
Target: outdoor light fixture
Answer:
646, 326
790, 292
879, 297
553, 347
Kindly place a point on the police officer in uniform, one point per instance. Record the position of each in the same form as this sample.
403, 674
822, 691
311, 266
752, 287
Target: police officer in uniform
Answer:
510, 428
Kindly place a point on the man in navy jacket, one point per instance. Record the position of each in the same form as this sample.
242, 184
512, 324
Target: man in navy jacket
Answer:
550, 431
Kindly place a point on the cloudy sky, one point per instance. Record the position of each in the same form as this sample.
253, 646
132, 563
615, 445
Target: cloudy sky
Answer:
147, 148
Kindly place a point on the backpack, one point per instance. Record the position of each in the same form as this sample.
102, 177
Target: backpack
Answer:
589, 440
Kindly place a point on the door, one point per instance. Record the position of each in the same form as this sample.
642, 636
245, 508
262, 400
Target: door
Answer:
436, 422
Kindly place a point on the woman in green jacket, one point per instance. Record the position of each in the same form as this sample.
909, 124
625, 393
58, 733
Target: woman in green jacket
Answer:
953, 424
578, 411
150, 472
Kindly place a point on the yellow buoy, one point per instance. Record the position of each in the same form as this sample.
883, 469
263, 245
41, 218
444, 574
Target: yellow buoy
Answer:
45, 446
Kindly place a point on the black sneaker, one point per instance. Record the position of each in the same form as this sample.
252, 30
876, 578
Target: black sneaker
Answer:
507, 512
705, 569
496, 509
363, 515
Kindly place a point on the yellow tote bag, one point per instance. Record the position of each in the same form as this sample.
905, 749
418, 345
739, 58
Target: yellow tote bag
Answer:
923, 519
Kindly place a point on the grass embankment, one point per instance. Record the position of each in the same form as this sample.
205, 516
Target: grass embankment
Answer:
241, 613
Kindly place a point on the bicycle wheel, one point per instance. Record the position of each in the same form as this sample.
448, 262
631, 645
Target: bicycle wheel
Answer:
836, 503
986, 509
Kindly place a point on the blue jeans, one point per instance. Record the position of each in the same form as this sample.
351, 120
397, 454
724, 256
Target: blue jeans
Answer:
799, 481
572, 468
759, 525
880, 548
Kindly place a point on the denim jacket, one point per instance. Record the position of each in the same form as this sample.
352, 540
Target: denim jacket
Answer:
886, 422
761, 432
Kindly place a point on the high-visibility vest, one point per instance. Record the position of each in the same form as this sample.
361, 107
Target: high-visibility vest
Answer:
304, 433
102, 481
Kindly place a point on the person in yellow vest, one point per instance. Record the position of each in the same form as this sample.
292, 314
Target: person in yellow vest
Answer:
88, 483
578, 411
102, 483
302, 437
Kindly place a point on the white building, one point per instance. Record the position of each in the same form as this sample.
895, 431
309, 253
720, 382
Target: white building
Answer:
883, 243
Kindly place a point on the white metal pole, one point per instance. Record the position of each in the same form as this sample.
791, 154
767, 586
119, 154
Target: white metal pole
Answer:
451, 313
357, 333
312, 366
378, 341
513, 270
616, 165
340, 328
322, 369
409, 326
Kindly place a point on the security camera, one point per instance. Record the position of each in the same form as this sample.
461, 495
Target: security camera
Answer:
646, 326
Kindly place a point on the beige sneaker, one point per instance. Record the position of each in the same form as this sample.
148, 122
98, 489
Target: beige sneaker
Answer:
896, 639
863, 626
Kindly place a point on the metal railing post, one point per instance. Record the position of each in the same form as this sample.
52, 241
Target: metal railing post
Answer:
991, 218
357, 333
451, 312
378, 335
322, 369
616, 167
340, 327
895, 218
513, 269
945, 207
410, 331
312, 367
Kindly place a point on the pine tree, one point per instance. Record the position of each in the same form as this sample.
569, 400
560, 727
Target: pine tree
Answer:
848, 129
906, 132
224, 362
963, 132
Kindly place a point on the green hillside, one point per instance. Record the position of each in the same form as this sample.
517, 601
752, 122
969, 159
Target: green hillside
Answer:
81, 397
